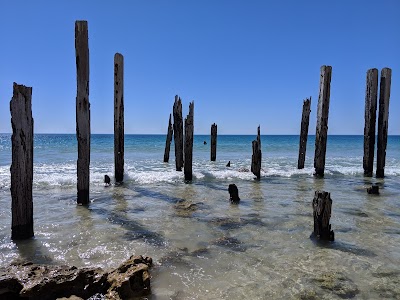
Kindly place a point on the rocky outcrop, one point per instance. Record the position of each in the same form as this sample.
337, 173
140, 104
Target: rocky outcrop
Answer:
31, 281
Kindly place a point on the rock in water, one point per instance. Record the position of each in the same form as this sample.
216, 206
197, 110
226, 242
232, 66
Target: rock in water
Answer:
233, 193
107, 180
228, 164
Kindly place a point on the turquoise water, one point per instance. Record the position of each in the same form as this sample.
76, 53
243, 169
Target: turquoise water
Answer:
204, 247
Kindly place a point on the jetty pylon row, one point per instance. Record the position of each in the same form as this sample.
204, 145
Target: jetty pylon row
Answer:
182, 131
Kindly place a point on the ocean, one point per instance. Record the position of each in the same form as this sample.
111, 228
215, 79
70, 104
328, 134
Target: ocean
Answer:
202, 246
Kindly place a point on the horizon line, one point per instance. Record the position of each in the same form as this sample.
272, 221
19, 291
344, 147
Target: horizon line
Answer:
245, 134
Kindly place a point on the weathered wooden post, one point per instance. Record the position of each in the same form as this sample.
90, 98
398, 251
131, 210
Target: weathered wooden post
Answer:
321, 134
168, 141
305, 120
119, 117
256, 157
213, 142
322, 208
189, 124
233, 193
371, 95
82, 110
383, 121
178, 133
22, 162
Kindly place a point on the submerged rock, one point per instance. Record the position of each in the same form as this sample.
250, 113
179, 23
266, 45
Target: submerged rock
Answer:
31, 281
338, 284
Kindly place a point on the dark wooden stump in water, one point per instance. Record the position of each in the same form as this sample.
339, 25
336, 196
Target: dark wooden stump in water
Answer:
119, 117
371, 96
213, 142
107, 180
21, 162
256, 157
178, 133
233, 193
82, 111
322, 208
383, 121
168, 140
321, 134
374, 189
188, 161
305, 120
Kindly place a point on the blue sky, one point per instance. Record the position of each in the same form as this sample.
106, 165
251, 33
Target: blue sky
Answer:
244, 63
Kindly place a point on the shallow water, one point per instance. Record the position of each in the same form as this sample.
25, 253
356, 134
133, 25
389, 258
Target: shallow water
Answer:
203, 247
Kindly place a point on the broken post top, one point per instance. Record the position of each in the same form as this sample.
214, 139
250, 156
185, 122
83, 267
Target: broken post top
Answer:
178, 105
307, 101
25, 91
191, 107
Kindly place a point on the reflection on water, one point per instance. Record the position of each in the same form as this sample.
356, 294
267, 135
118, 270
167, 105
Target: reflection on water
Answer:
205, 248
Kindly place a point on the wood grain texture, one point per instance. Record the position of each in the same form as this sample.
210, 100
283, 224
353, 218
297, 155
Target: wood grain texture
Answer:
22, 162
321, 135
305, 121
371, 97
383, 121
82, 111
119, 117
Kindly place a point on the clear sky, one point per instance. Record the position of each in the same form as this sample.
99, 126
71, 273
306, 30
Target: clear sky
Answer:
244, 63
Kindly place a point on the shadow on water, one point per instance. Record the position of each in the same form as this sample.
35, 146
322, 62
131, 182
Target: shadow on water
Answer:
231, 243
135, 231
212, 186
33, 251
343, 247
157, 195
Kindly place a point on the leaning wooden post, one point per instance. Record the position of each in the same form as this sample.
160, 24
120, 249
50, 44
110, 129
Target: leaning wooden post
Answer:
305, 120
371, 95
256, 157
322, 208
321, 134
22, 162
383, 120
213, 142
168, 141
178, 133
119, 117
189, 124
82, 110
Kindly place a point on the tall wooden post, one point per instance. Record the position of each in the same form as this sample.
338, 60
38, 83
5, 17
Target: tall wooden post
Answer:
371, 95
22, 162
82, 110
119, 117
383, 120
321, 135
178, 133
168, 141
189, 124
213, 142
305, 120
256, 157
